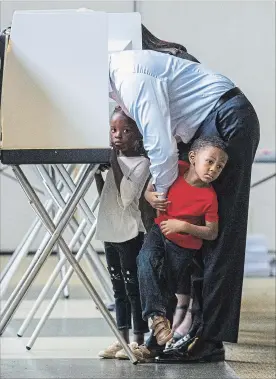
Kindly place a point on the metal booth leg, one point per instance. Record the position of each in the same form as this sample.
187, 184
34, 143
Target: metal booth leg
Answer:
56, 237
88, 214
29, 270
49, 283
62, 221
54, 274
23, 248
17, 251
20, 252
97, 265
59, 290
59, 252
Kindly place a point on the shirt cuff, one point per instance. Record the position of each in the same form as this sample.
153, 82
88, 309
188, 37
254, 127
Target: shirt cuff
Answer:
161, 189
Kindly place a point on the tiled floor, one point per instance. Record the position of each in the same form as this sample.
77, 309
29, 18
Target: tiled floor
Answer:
68, 344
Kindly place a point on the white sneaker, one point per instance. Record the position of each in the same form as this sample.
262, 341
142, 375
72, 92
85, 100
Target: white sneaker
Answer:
141, 353
110, 351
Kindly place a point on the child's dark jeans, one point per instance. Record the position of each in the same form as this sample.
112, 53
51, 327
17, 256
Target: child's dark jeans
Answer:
122, 266
161, 264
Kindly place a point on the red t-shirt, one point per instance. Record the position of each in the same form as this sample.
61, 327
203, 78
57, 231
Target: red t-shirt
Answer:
192, 204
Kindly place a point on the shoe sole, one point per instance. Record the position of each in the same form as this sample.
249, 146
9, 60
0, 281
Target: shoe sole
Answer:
206, 359
212, 358
147, 360
140, 360
106, 357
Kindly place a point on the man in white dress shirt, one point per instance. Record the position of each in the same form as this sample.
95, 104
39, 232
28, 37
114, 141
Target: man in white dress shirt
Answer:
174, 100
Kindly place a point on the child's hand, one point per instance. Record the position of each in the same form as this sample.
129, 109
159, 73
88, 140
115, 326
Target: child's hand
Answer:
172, 226
156, 201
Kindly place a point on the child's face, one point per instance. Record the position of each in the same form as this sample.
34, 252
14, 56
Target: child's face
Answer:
208, 163
123, 134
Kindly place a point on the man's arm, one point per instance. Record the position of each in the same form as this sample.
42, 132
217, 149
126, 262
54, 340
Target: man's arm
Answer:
146, 99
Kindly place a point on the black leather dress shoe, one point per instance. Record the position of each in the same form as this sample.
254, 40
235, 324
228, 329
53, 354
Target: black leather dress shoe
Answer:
198, 351
206, 351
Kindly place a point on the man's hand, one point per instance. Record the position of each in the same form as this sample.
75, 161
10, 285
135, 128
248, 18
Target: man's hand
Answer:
173, 226
156, 201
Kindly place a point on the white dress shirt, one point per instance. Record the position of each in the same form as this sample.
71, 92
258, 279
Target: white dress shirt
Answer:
119, 217
168, 98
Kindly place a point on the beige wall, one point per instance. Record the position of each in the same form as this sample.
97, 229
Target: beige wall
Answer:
237, 38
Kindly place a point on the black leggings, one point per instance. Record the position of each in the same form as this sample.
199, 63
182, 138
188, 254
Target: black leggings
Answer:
122, 267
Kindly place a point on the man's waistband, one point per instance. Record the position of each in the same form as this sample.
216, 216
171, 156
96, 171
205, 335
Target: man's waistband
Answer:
227, 96
222, 100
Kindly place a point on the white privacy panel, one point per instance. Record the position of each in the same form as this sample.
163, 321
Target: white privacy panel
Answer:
55, 87
125, 26
8, 7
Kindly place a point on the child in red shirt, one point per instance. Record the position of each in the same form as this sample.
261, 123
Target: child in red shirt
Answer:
189, 204
190, 215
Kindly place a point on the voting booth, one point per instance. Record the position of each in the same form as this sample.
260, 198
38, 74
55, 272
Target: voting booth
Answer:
55, 103
55, 110
55, 114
